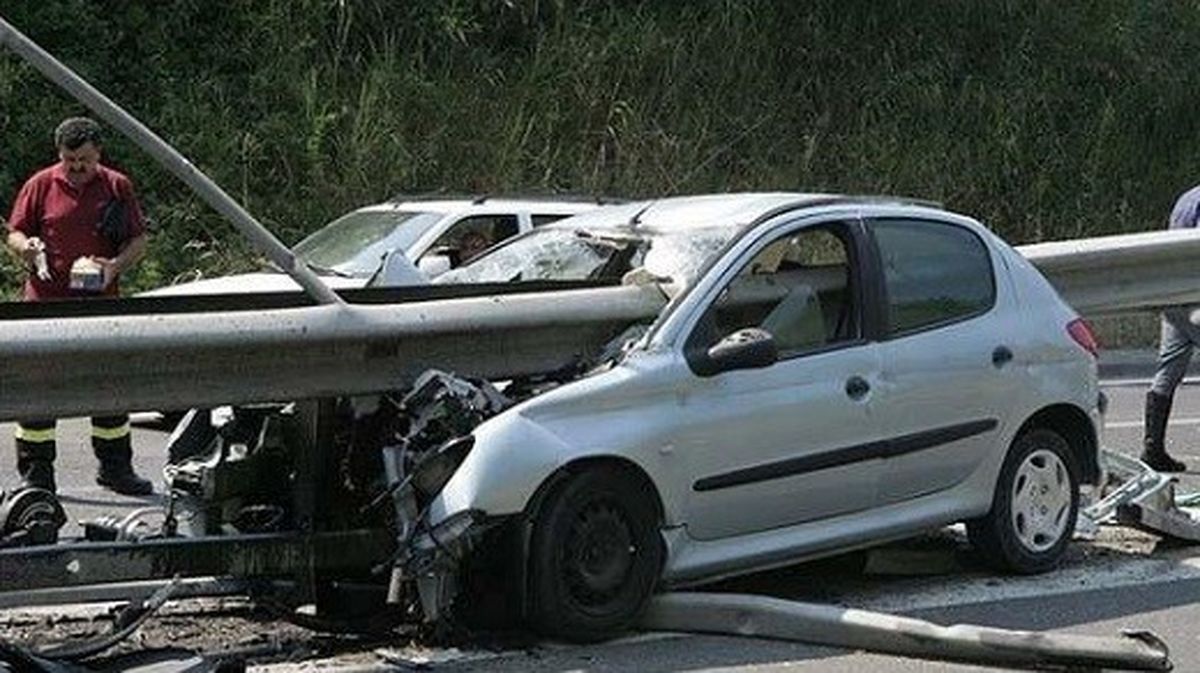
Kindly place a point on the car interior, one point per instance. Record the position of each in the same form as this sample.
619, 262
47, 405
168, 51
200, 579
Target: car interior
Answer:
797, 288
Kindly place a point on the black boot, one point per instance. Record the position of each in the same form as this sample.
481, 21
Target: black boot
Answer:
35, 464
116, 469
1154, 451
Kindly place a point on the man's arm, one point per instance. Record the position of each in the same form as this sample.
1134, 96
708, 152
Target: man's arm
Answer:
130, 253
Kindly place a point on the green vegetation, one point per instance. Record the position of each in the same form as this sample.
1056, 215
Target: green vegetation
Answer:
1044, 119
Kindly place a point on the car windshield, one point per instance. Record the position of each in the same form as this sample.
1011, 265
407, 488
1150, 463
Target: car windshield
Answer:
599, 254
354, 244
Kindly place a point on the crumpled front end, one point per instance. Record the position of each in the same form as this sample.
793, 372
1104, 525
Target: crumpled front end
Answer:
441, 410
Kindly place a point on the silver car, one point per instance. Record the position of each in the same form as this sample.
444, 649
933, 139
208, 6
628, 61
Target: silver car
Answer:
830, 373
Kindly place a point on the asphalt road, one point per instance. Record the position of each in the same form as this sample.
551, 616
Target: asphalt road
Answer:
1123, 580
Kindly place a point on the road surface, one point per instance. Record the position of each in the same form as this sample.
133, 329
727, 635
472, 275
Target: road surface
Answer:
1123, 580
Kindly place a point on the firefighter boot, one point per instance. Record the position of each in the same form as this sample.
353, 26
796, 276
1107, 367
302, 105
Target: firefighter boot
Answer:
35, 464
111, 444
1154, 452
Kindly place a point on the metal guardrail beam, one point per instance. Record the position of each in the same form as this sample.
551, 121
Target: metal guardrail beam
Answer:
764, 617
57, 367
60, 367
244, 556
1124, 273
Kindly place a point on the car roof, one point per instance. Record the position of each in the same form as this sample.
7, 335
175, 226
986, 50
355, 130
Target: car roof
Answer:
686, 213
489, 204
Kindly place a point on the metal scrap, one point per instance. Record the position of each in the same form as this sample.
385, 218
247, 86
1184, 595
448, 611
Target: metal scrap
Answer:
1143, 499
1135, 479
29, 516
126, 622
760, 616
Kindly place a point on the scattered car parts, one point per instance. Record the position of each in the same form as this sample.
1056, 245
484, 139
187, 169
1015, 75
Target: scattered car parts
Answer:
1145, 499
29, 516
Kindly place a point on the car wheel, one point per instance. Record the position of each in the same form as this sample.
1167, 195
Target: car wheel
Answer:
595, 555
1034, 508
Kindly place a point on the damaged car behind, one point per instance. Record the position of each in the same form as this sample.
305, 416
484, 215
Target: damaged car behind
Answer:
829, 373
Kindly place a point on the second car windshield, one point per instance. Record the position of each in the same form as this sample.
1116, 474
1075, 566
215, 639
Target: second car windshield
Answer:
564, 254
355, 243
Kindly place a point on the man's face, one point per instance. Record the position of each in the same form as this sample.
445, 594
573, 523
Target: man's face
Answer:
472, 244
80, 163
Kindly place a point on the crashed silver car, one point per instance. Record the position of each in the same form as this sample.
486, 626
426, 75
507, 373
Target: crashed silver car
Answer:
829, 373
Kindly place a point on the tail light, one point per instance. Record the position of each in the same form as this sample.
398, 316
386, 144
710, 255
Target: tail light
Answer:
1081, 332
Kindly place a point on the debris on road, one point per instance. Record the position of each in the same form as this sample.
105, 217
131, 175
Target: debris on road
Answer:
1144, 499
29, 516
764, 617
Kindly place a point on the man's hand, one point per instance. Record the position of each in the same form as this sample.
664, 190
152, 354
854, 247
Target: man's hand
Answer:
32, 252
109, 268
26, 247
33, 247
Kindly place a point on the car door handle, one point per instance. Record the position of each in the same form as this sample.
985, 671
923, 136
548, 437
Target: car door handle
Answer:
1001, 356
857, 387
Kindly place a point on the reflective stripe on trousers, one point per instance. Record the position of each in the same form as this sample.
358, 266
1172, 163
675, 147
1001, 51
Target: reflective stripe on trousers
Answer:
35, 432
110, 428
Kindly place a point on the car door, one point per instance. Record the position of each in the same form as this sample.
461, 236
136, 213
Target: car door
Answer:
948, 379
793, 441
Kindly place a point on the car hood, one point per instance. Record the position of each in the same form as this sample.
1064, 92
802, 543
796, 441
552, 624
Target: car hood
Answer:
247, 283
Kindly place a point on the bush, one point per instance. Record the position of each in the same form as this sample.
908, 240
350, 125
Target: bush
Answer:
1045, 120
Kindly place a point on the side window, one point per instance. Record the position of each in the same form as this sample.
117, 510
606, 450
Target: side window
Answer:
541, 219
468, 237
800, 288
934, 273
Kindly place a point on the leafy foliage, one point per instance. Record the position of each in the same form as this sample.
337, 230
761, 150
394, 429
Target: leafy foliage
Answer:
1045, 120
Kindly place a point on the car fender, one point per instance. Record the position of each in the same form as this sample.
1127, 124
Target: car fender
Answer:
511, 457
609, 416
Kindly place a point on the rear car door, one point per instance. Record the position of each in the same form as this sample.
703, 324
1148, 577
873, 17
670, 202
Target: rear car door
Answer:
791, 442
948, 378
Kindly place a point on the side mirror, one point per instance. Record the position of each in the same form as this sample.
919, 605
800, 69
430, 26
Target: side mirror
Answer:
750, 348
433, 265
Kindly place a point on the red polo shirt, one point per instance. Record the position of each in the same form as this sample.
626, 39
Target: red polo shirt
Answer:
65, 217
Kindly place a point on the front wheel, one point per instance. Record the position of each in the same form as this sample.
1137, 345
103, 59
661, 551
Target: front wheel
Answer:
595, 555
1034, 507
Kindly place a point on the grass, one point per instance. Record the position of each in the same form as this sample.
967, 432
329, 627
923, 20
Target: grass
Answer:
1044, 120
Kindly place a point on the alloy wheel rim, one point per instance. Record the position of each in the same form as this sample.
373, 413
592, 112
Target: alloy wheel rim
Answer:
1041, 500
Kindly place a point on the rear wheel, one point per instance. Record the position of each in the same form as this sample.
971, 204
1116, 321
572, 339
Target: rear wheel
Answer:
1034, 507
595, 555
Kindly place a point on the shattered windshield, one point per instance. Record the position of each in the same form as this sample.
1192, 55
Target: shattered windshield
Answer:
682, 256
564, 254
355, 243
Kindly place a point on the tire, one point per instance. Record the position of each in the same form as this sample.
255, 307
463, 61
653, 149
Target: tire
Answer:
1034, 507
595, 555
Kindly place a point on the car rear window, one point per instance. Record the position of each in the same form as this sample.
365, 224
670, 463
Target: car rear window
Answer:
934, 273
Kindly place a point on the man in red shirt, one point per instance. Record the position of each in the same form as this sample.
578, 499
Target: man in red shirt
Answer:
77, 225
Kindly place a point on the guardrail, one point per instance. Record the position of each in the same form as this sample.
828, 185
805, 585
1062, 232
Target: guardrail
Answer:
1129, 272
56, 367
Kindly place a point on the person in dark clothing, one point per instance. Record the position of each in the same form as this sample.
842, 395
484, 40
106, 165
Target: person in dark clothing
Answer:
1179, 337
77, 226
